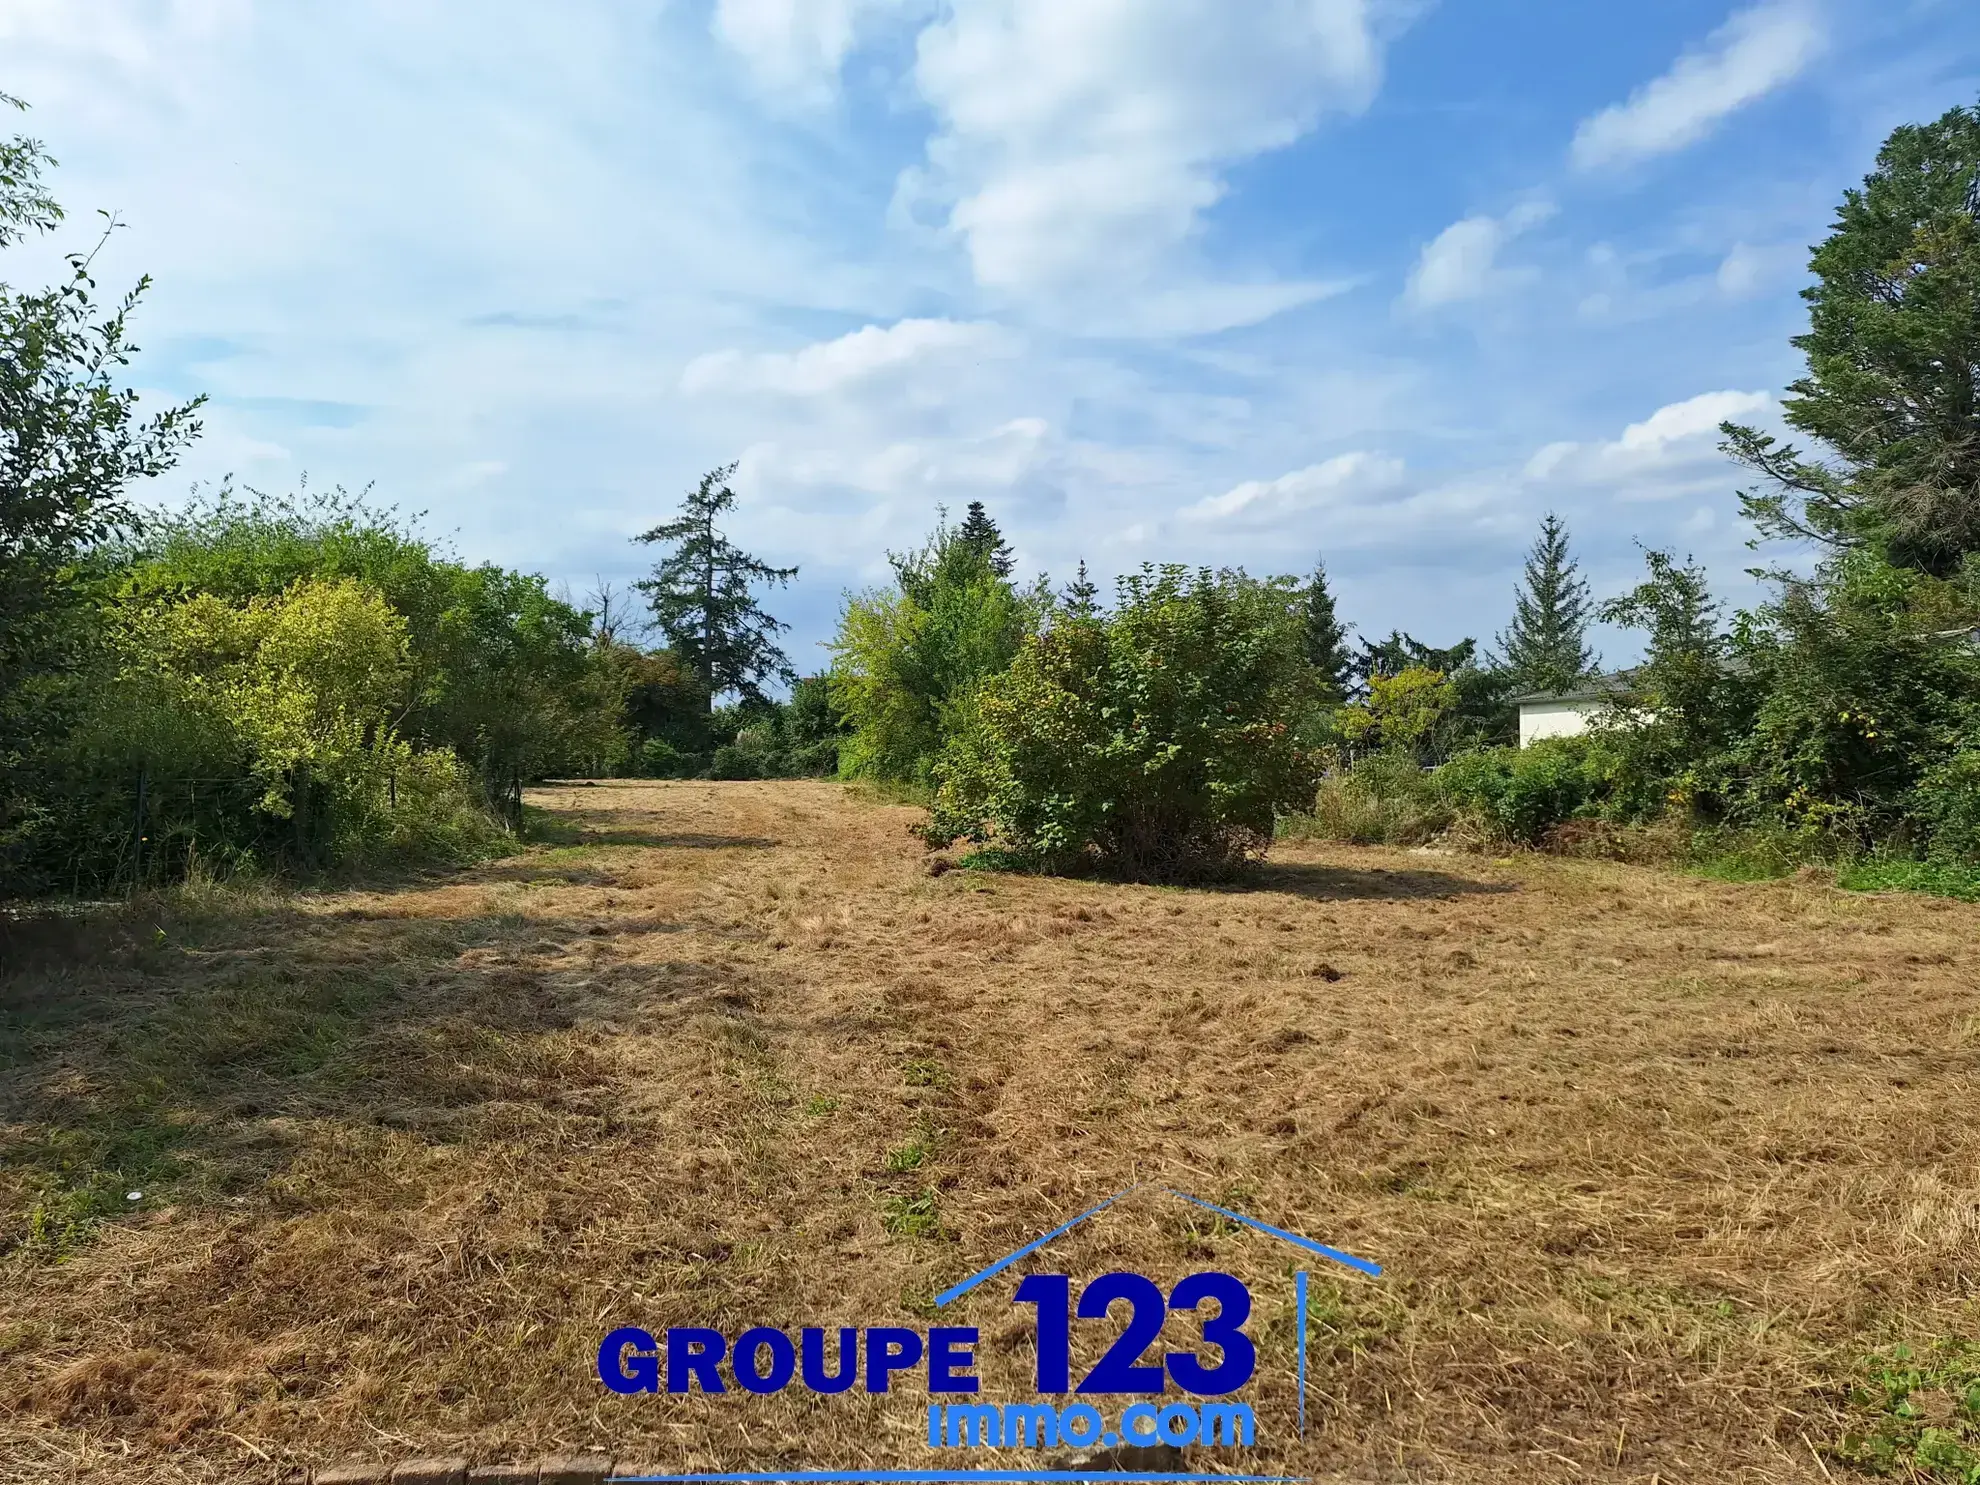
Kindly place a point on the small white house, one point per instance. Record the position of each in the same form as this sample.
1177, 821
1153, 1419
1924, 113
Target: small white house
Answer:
1566, 713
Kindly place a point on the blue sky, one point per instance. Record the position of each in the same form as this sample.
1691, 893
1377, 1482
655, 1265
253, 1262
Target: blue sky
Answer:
1190, 280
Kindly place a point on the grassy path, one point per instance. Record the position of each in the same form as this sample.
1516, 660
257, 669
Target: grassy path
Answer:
1651, 1162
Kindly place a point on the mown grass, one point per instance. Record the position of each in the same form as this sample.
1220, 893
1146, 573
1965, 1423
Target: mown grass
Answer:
406, 1151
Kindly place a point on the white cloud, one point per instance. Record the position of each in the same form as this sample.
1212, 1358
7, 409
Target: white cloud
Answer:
1748, 57
832, 364
1673, 452
1689, 419
1080, 144
795, 48
1747, 270
1461, 262
1343, 480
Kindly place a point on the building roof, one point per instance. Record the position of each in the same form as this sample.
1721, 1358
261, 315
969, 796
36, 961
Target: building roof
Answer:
1595, 688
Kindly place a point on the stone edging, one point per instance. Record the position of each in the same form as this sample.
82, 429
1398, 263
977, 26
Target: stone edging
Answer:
595, 1469
553, 1469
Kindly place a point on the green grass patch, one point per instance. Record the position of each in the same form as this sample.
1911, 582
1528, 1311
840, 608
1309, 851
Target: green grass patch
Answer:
1917, 1416
1739, 868
160, 1086
1962, 882
121, 1159
995, 858
915, 1151
913, 1216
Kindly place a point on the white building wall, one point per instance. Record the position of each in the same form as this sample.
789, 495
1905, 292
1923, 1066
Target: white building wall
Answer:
1538, 719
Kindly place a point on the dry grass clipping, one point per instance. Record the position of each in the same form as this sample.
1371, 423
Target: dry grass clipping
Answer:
1651, 1162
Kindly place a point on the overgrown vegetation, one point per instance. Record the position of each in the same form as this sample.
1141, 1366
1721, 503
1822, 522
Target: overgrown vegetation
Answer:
1157, 741
260, 681
1837, 722
266, 682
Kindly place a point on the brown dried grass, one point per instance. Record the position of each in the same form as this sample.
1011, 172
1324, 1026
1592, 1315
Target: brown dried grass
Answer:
1650, 1161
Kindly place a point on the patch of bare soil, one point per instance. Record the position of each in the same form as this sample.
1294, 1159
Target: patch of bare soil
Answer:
1649, 1162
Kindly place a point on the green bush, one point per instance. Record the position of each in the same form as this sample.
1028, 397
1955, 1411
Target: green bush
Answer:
225, 737
908, 661
1385, 799
1518, 794
660, 759
1156, 742
1946, 804
731, 761
495, 668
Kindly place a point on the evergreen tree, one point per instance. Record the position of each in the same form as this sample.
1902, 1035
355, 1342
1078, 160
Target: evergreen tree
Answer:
1546, 647
1893, 348
979, 534
702, 600
1326, 636
1082, 596
1399, 652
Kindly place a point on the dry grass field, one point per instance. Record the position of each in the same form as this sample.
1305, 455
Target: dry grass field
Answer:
1653, 1164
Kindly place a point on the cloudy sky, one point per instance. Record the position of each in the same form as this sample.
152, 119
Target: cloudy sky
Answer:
1204, 280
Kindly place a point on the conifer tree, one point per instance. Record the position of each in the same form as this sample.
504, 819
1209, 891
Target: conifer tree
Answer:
1892, 395
1082, 595
1326, 635
702, 599
978, 533
1546, 647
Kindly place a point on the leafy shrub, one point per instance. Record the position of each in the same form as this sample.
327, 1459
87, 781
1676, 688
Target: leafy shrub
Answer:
1383, 799
1946, 804
1404, 713
232, 735
495, 668
733, 762
1859, 700
1519, 794
1155, 742
907, 662
660, 759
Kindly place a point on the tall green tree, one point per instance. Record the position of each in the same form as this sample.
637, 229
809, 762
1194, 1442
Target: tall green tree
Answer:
1892, 393
1683, 687
1546, 646
908, 661
1399, 652
1082, 595
1675, 609
72, 443
703, 599
979, 534
1325, 634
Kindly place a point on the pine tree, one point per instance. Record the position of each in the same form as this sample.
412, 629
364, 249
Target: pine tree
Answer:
1326, 635
1082, 596
701, 598
978, 533
1892, 345
1546, 648
1399, 652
